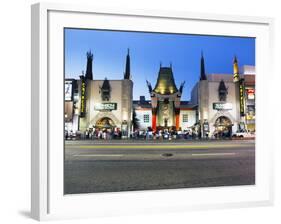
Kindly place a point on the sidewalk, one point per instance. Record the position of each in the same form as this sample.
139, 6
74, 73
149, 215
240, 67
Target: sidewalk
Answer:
154, 141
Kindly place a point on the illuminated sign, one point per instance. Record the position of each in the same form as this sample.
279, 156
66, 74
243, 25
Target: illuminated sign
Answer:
241, 97
68, 90
106, 106
222, 106
251, 94
83, 98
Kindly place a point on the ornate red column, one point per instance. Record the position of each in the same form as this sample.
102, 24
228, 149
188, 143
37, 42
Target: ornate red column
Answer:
177, 112
154, 118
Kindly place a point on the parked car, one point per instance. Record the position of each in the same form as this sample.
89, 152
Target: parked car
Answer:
245, 134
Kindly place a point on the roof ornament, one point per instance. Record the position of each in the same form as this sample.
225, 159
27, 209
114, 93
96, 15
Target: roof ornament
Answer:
149, 86
181, 86
105, 90
236, 77
222, 91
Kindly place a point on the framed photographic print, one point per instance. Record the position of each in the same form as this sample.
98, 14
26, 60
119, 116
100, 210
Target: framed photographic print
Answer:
148, 111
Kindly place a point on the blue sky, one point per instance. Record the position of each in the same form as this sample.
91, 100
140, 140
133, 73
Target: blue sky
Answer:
147, 50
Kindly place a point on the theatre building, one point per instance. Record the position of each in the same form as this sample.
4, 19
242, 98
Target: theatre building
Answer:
220, 104
226, 102
100, 104
165, 109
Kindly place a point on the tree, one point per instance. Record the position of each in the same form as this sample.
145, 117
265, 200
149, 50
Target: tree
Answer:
135, 121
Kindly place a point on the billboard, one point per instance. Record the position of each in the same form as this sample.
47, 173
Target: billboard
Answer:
68, 90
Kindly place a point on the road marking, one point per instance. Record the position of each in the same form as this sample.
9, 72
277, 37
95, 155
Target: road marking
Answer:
214, 154
154, 146
97, 155
121, 155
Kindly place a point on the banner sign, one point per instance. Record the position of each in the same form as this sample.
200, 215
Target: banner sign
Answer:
106, 106
68, 94
241, 97
83, 98
222, 106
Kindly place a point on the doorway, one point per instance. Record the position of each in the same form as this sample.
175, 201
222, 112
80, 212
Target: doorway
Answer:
223, 127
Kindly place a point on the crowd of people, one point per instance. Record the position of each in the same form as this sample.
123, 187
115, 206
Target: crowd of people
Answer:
116, 133
100, 133
163, 134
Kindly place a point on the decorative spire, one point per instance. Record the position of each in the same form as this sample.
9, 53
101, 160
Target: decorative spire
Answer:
181, 86
149, 86
89, 71
202, 68
127, 74
235, 59
235, 70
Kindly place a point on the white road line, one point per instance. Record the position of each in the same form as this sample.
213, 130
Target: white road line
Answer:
214, 154
121, 155
97, 155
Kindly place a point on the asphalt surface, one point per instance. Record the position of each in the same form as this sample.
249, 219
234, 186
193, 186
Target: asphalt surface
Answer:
109, 166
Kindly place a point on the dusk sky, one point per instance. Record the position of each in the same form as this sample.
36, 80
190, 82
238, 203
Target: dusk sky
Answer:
147, 50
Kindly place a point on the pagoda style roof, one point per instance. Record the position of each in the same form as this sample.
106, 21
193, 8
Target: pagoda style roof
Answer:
165, 82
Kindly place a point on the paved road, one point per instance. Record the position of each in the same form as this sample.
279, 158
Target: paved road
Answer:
138, 165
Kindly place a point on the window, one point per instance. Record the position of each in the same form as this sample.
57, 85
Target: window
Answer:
146, 118
185, 118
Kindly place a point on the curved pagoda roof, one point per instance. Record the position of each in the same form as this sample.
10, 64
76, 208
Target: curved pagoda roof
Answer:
165, 82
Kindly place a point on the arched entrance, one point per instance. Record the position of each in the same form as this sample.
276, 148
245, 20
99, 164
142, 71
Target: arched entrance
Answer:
223, 127
105, 123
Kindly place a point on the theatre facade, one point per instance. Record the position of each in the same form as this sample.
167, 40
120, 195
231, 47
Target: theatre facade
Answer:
165, 108
99, 104
219, 104
226, 102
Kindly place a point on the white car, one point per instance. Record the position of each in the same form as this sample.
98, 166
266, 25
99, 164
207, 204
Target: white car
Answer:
244, 135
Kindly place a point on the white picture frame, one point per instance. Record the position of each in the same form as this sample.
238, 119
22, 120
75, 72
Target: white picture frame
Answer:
48, 201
